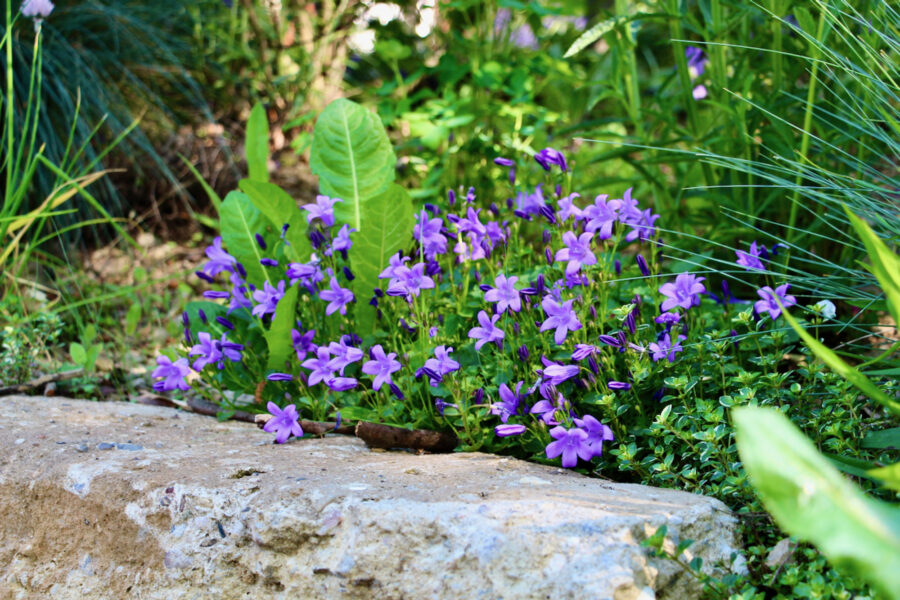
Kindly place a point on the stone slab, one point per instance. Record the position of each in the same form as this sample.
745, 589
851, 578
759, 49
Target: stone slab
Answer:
116, 500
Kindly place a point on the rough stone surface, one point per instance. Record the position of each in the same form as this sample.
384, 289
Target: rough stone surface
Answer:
110, 500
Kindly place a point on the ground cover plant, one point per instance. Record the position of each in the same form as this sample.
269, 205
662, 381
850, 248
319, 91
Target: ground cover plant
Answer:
545, 325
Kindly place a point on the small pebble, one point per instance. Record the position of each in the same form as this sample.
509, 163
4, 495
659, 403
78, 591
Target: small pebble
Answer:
131, 447
105, 446
81, 448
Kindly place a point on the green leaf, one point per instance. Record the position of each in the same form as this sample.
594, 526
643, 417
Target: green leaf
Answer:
884, 439
239, 221
353, 158
885, 264
840, 367
257, 144
132, 318
811, 500
279, 208
598, 31
91, 357
278, 337
889, 476
76, 351
389, 222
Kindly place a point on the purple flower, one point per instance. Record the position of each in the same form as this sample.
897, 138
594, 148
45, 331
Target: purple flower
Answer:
323, 209
769, 303
381, 366
442, 364
302, 343
337, 298
560, 317
505, 294
341, 384
173, 374
321, 367
509, 402
668, 318
207, 349
267, 298
396, 261
219, 260
549, 156
530, 204
283, 422
559, 373
601, 215
488, 332
699, 92
568, 209
341, 241
629, 213
268, 262
618, 385
665, 348
572, 444
546, 409
428, 233
696, 61
643, 226
504, 162
410, 282
310, 272
37, 9
508, 430
230, 350
344, 354
578, 252
750, 260
685, 292
597, 433
583, 351
279, 377
642, 265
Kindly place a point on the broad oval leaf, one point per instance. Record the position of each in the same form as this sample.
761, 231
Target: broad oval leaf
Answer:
278, 336
811, 500
256, 144
389, 222
353, 158
239, 222
279, 208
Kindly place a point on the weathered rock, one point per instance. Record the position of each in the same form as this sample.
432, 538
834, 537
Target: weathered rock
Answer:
181, 506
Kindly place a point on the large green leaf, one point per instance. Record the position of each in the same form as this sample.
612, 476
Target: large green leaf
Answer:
256, 144
279, 208
886, 439
389, 222
239, 222
353, 158
278, 336
811, 500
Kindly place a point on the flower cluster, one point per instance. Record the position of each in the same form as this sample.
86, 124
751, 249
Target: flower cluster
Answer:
459, 318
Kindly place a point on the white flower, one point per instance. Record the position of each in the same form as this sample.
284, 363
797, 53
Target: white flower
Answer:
37, 9
825, 308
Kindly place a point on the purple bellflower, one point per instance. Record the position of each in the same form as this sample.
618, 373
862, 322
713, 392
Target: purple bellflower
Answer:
568, 208
509, 402
410, 282
381, 366
283, 422
768, 302
577, 252
341, 384
509, 429
549, 156
173, 374
505, 294
395, 262
601, 215
750, 260
303, 343
560, 317
341, 241
488, 332
428, 233
219, 260
323, 209
559, 373
344, 354
643, 227
267, 298
321, 367
207, 349
597, 433
441, 364
666, 348
572, 444
684, 292
337, 297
